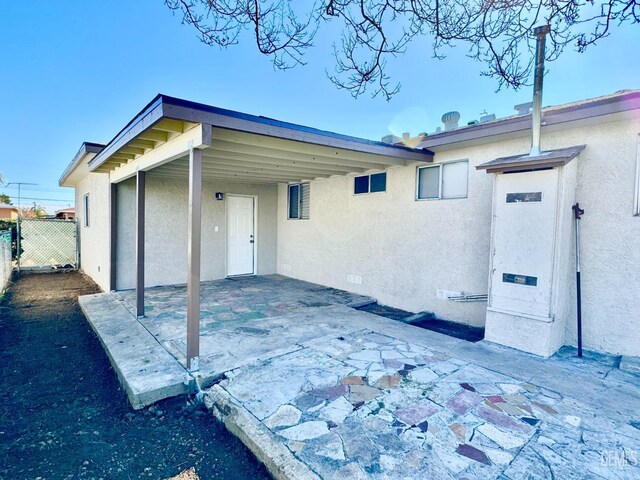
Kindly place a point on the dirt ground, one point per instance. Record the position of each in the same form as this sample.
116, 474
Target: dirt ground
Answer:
63, 414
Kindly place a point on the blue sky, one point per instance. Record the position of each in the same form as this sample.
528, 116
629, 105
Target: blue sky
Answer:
79, 70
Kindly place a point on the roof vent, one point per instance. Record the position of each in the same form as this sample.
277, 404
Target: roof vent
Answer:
391, 139
450, 120
523, 108
473, 122
406, 136
487, 117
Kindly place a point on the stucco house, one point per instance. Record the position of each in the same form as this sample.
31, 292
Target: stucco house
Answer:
466, 222
65, 214
8, 212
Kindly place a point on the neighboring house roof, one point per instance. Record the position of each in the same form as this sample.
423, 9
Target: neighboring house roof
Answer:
592, 108
7, 206
66, 210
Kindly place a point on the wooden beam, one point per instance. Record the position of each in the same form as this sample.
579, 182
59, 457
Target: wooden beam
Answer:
198, 137
235, 178
283, 177
233, 169
131, 150
194, 233
399, 157
153, 136
222, 147
267, 162
122, 154
144, 144
140, 187
170, 125
113, 235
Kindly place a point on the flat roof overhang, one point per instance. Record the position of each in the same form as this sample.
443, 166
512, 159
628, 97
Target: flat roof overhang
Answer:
237, 146
525, 162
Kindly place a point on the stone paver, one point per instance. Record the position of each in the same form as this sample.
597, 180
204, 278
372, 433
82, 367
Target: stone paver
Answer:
391, 420
319, 390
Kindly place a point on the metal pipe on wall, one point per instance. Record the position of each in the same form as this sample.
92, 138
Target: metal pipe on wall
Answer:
536, 113
578, 212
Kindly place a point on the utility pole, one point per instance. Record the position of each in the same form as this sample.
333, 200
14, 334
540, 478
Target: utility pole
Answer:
19, 184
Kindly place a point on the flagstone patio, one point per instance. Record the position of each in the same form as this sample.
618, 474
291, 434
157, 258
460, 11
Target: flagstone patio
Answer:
318, 389
373, 406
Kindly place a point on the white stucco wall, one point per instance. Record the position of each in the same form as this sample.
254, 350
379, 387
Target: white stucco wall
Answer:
166, 230
94, 239
405, 250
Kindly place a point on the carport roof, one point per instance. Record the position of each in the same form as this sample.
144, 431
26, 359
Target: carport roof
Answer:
166, 118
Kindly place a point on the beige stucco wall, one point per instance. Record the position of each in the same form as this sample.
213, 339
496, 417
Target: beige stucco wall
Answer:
94, 239
405, 250
166, 230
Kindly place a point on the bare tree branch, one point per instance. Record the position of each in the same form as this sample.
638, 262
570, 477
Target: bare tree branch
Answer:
498, 33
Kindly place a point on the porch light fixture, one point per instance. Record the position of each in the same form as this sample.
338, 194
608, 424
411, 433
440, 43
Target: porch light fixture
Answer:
219, 196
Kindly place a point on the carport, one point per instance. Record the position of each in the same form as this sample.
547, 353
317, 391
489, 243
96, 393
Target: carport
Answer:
180, 139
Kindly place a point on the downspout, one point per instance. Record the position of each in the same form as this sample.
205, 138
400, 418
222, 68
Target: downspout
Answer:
536, 113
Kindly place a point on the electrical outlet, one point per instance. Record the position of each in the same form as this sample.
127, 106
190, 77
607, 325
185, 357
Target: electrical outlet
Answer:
286, 267
354, 279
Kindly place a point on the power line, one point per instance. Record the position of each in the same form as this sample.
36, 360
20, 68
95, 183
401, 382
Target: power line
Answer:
48, 199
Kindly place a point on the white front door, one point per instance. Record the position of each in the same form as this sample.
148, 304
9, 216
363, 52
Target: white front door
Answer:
240, 235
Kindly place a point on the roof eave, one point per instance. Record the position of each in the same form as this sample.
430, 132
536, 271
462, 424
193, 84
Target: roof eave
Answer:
85, 148
163, 106
550, 115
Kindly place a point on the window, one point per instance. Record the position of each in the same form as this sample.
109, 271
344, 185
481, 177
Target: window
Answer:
370, 183
85, 203
299, 201
446, 180
636, 198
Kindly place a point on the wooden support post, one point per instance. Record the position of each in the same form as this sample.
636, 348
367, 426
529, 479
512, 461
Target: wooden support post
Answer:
113, 232
193, 258
140, 180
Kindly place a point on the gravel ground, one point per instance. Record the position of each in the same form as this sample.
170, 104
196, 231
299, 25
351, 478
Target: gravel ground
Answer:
63, 414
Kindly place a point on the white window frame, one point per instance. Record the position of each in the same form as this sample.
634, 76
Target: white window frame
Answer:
440, 166
86, 209
300, 197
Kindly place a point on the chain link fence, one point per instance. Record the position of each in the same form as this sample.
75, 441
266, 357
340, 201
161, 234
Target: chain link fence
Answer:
47, 243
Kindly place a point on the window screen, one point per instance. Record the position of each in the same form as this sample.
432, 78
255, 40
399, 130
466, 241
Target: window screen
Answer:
447, 180
454, 179
299, 200
304, 201
379, 182
429, 182
361, 185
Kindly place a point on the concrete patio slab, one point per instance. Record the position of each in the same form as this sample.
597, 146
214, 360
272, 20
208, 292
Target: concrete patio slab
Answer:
243, 320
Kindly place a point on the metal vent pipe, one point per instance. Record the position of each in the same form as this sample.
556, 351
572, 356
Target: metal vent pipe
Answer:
536, 113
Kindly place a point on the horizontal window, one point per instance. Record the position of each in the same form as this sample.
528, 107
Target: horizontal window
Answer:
299, 201
376, 182
446, 180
